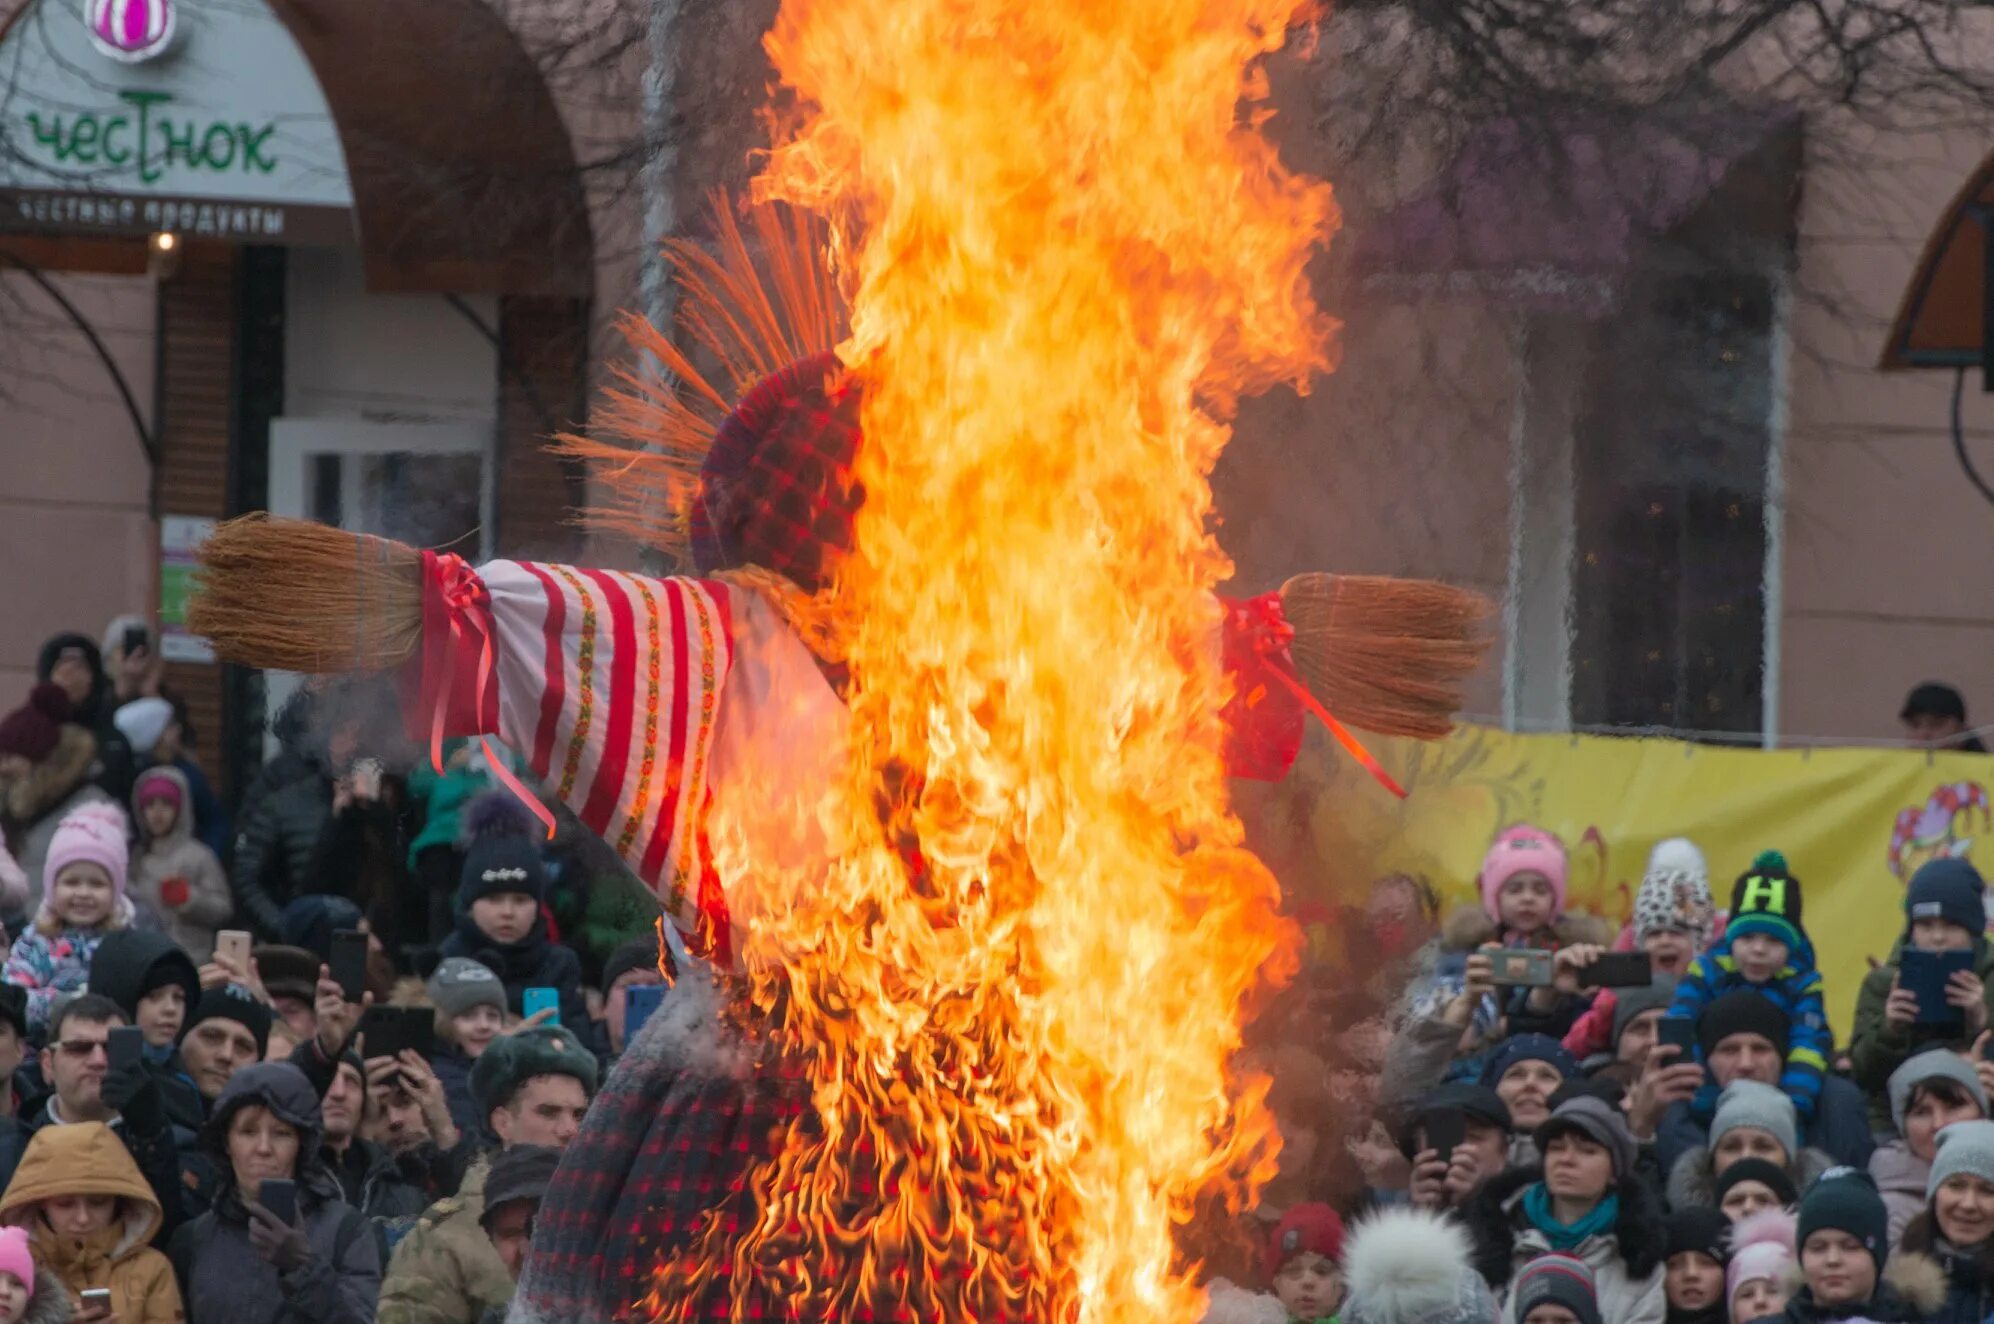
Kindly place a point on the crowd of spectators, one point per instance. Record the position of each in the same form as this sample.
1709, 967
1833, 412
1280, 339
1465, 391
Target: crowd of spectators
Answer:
193, 1125
1569, 1123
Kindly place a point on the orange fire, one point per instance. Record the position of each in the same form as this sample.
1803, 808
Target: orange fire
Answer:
1019, 989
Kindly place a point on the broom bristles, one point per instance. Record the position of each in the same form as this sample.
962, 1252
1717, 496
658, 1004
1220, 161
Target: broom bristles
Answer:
296, 596
1386, 655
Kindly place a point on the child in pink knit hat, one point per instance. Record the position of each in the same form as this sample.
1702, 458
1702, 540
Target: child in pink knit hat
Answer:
1523, 885
17, 1276
83, 899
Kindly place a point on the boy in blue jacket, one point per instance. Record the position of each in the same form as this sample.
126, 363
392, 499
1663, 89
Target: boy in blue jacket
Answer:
1765, 949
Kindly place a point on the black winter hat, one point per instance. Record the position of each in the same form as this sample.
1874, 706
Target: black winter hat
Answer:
637, 954
1742, 1011
1947, 889
1698, 1228
309, 921
131, 963
1763, 1171
1846, 1200
227, 1002
501, 853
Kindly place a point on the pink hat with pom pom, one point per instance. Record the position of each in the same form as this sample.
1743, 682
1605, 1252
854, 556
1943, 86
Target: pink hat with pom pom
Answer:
15, 1258
92, 834
1522, 849
1761, 1247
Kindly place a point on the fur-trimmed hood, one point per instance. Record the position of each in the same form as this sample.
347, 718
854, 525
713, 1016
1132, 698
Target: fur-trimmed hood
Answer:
1692, 1182
50, 1303
51, 782
1968, 1271
1494, 1218
1911, 1287
1468, 927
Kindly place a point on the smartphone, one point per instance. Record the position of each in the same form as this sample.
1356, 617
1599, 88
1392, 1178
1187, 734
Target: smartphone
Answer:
127, 1046
381, 1031
349, 963
1679, 1031
137, 639
418, 1030
96, 1296
1446, 1130
1619, 970
280, 1196
1523, 966
543, 999
1926, 974
234, 944
639, 1001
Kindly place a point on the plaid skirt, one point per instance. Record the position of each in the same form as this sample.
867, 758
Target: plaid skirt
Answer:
668, 1143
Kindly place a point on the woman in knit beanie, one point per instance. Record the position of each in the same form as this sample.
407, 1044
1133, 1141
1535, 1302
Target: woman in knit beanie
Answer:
1843, 1235
1752, 1121
1932, 1091
1957, 1227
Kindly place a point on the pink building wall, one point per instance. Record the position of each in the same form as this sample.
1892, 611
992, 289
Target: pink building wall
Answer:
76, 540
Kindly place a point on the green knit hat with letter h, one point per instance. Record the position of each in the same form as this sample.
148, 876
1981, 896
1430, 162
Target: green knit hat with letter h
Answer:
1766, 899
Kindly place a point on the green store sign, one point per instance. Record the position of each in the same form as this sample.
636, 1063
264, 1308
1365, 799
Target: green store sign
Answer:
145, 140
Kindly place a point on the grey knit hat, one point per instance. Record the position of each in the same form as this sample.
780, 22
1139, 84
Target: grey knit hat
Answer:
1966, 1147
1631, 1002
1598, 1121
460, 984
1932, 1064
1749, 1103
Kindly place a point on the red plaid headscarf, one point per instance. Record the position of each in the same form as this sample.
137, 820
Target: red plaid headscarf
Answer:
776, 489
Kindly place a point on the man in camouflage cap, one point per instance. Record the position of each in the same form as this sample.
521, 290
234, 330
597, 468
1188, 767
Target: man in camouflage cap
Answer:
531, 1088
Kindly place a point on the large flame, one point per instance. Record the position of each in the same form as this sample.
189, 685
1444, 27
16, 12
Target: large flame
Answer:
1019, 989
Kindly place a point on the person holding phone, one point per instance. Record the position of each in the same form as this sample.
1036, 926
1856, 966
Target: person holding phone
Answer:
632, 965
532, 1088
1460, 1139
90, 1218
1944, 911
245, 1262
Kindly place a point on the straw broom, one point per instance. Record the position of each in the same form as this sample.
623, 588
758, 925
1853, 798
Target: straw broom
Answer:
1386, 655
296, 596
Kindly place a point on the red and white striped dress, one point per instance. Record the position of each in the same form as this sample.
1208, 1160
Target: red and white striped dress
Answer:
660, 710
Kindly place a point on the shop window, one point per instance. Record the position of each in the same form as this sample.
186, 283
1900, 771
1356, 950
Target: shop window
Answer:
1670, 443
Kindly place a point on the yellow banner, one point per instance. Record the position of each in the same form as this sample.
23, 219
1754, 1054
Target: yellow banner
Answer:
1854, 824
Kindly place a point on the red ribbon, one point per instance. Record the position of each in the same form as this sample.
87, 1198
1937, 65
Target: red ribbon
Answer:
459, 592
1351, 744
1269, 633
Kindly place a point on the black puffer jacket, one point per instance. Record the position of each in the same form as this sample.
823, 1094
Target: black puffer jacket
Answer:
276, 848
